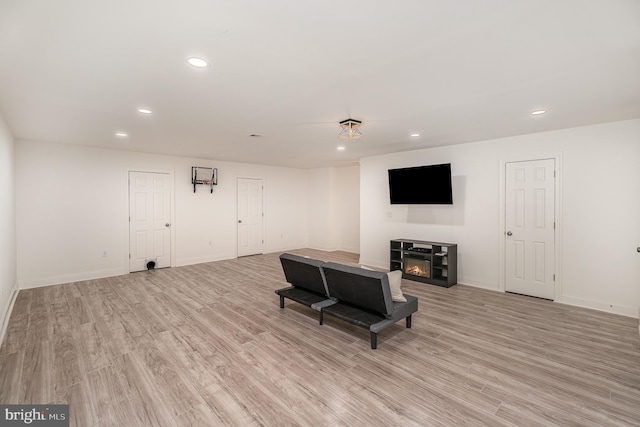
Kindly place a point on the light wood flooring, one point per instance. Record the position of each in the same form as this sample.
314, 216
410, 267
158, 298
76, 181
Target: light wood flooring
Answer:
208, 345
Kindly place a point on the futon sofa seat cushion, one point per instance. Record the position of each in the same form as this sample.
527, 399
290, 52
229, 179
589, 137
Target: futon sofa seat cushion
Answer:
351, 314
374, 322
301, 296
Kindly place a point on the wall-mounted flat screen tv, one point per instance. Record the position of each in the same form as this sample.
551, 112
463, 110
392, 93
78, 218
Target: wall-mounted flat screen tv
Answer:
422, 185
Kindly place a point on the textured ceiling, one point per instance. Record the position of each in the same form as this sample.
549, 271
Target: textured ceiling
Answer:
75, 71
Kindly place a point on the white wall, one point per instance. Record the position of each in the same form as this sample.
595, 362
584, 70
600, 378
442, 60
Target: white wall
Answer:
600, 210
346, 190
72, 204
334, 208
8, 281
320, 209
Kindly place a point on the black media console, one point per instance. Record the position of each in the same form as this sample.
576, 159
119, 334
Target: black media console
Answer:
429, 262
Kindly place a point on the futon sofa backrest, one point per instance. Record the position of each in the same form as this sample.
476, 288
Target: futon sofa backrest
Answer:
366, 289
304, 273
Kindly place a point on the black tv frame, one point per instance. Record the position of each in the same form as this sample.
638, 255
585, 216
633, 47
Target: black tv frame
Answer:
421, 185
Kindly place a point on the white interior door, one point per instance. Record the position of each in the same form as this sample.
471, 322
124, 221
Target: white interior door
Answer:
250, 217
149, 220
530, 228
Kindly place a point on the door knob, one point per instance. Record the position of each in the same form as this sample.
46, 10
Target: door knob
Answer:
167, 225
509, 233
239, 221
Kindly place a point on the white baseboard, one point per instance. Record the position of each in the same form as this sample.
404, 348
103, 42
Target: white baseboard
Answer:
69, 278
577, 302
374, 263
479, 284
622, 310
350, 250
600, 306
6, 313
325, 249
203, 259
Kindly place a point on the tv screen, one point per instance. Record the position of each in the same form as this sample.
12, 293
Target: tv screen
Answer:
423, 185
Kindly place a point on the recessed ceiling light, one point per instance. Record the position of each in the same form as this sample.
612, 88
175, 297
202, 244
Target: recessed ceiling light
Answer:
538, 112
414, 135
144, 111
122, 134
198, 62
341, 148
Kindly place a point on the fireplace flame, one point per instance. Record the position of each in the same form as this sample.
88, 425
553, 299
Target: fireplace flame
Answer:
417, 271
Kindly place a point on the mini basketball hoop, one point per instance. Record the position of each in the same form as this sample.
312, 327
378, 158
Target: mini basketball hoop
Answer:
198, 175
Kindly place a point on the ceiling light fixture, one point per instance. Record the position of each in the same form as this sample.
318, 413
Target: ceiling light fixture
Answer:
341, 148
198, 62
144, 111
122, 134
538, 112
414, 135
350, 129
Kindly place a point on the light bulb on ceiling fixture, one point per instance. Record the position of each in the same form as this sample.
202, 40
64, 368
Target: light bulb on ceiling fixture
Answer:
350, 129
538, 112
144, 111
198, 62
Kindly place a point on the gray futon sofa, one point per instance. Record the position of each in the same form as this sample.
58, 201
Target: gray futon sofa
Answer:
355, 295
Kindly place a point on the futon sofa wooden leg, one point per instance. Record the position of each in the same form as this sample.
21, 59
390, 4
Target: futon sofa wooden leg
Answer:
281, 301
374, 340
321, 317
409, 321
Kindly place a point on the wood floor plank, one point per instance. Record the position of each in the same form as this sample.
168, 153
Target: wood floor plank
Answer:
122, 413
295, 367
228, 410
449, 382
106, 384
37, 385
96, 341
258, 400
82, 407
215, 320
530, 367
10, 371
140, 386
61, 320
79, 311
286, 384
197, 362
16, 334
67, 369
208, 344
170, 378
193, 338
39, 323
